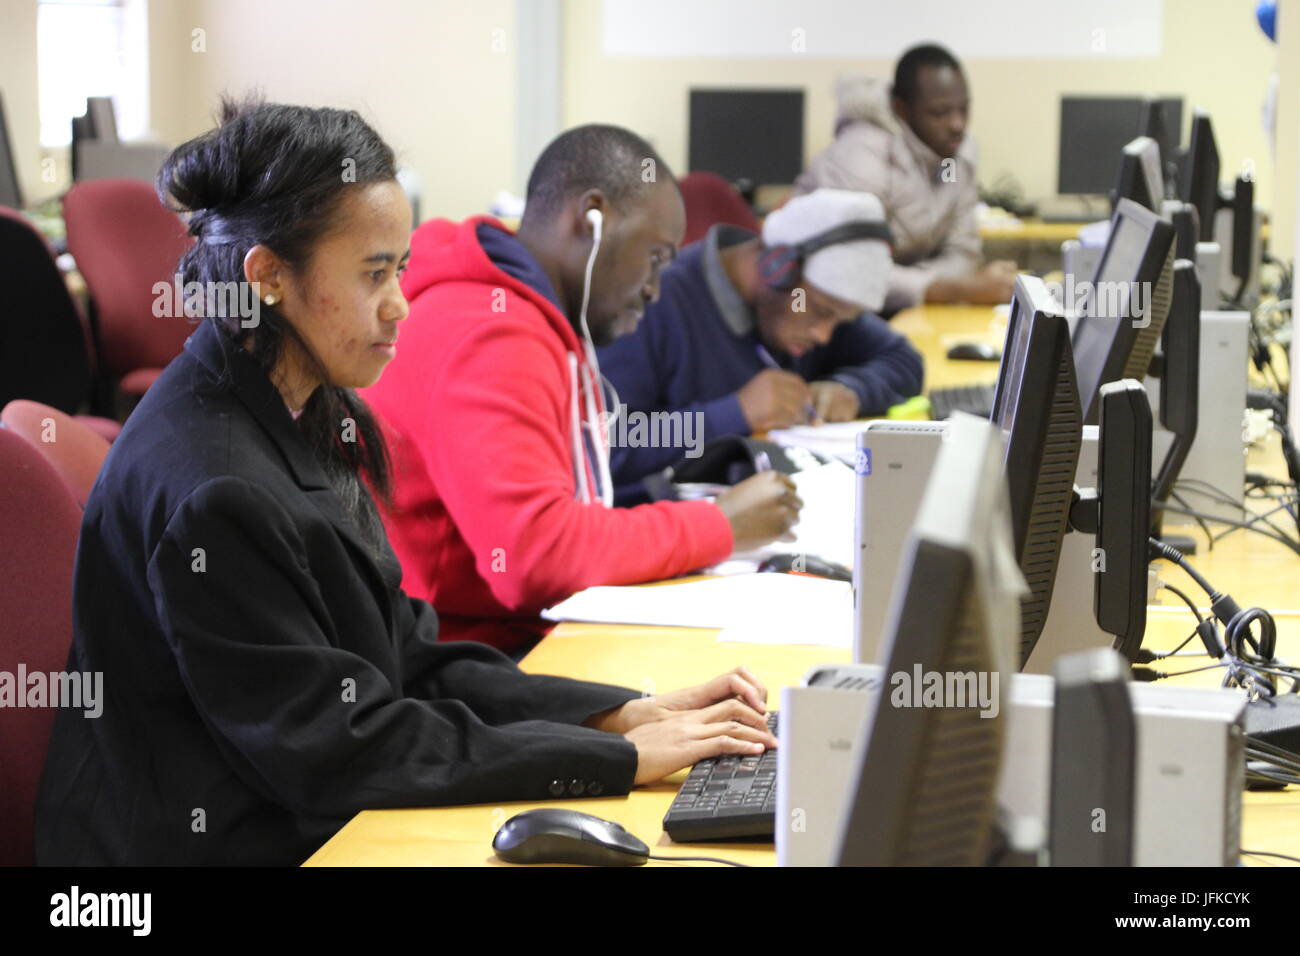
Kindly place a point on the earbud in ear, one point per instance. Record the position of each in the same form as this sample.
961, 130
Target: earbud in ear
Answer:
596, 218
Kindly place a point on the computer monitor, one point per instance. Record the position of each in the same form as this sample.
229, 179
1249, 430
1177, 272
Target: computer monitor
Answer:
754, 135
1036, 406
103, 118
1124, 514
11, 193
1200, 178
1140, 178
1121, 318
1200, 187
1094, 130
1243, 228
1157, 125
1179, 383
1187, 227
923, 791
1093, 762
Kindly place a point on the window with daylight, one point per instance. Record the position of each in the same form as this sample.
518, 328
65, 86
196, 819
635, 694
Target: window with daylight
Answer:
92, 48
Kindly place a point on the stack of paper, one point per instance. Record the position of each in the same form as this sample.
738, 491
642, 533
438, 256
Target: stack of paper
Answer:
835, 440
755, 608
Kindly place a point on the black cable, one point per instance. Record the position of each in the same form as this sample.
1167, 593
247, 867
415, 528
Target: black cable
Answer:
1170, 553
700, 859
1260, 743
1276, 765
1249, 659
1280, 539
1209, 535
1216, 494
1164, 675
1256, 517
1199, 622
1190, 603
1281, 766
1285, 763
1282, 778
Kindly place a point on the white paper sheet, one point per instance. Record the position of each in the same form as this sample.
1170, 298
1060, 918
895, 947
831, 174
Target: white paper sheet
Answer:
835, 440
753, 608
825, 528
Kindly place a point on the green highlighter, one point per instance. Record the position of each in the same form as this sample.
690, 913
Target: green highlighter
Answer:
917, 408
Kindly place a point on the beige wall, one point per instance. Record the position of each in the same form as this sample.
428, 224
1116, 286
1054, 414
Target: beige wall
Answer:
18, 84
174, 112
1214, 56
425, 74
1284, 239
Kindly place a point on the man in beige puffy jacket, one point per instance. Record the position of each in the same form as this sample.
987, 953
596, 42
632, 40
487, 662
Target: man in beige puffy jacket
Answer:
908, 145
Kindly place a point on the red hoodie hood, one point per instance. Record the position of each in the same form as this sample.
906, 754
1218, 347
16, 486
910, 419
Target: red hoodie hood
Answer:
497, 488
446, 251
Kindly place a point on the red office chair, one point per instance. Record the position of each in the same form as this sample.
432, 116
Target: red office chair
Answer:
39, 522
709, 200
72, 449
125, 241
44, 344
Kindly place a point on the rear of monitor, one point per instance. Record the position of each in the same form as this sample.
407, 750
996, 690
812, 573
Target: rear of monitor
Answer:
1165, 130
1094, 762
1243, 232
1124, 490
754, 135
1187, 227
924, 784
99, 160
1093, 131
1140, 177
11, 193
1199, 183
1179, 383
97, 125
103, 118
1151, 324
1036, 404
1112, 338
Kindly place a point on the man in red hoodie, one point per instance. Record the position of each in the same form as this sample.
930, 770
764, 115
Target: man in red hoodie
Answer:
495, 412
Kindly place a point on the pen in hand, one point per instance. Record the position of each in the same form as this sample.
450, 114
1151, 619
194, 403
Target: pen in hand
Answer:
764, 356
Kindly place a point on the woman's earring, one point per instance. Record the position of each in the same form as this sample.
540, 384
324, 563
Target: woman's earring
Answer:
270, 299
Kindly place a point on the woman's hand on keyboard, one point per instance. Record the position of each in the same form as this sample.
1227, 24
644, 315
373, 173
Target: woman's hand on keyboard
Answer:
739, 685
666, 746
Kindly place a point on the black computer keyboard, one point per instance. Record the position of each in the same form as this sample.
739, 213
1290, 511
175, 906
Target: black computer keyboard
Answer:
973, 399
727, 797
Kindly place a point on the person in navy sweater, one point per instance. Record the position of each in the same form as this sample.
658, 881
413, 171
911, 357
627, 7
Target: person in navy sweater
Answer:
748, 336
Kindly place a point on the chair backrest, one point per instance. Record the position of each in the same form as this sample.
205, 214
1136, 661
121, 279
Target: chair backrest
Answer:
709, 200
39, 523
72, 449
44, 351
125, 242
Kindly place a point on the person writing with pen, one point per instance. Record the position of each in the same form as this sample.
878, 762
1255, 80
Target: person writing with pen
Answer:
754, 333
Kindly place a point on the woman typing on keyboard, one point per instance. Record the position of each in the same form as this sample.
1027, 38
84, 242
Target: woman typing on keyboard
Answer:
265, 678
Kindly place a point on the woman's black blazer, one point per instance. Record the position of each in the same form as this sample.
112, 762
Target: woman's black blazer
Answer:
264, 677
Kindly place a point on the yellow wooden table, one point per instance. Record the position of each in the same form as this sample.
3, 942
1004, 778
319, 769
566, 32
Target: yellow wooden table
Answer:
1029, 230
1251, 568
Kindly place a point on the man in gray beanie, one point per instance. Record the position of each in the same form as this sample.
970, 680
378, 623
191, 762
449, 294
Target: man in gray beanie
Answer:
907, 144
751, 334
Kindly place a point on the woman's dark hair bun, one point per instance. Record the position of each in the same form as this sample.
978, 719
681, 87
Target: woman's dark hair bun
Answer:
203, 174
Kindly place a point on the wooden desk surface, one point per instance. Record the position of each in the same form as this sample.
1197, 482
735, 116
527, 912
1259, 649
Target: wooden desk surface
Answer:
1251, 568
1029, 230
